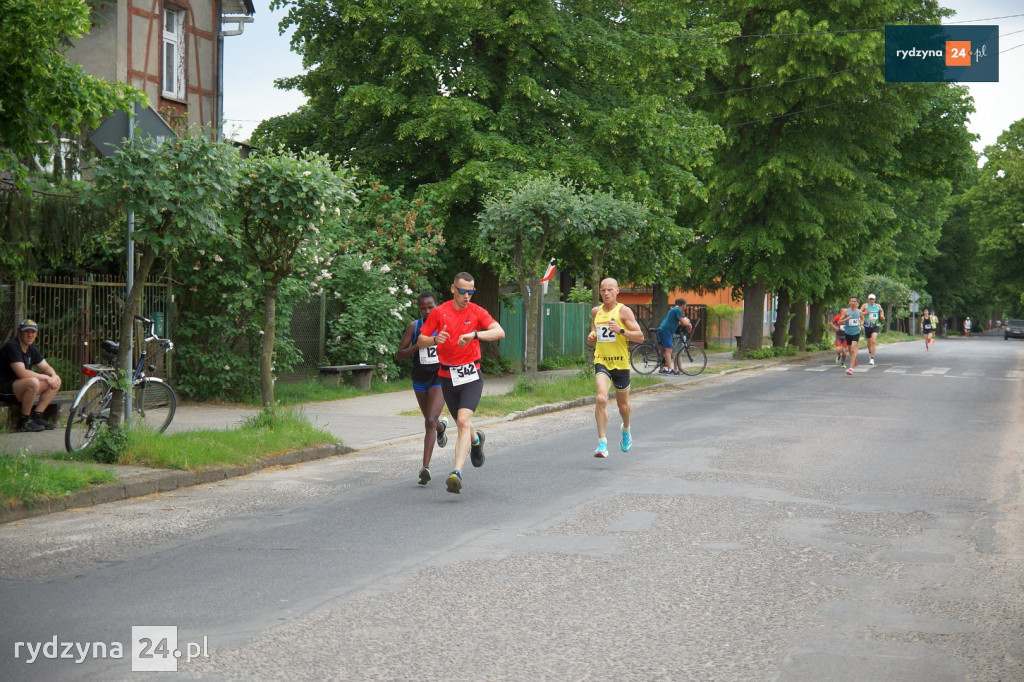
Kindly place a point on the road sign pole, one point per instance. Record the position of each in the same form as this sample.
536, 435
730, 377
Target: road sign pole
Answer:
109, 138
129, 283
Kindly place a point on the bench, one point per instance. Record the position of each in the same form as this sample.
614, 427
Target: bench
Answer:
361, 374
51, 415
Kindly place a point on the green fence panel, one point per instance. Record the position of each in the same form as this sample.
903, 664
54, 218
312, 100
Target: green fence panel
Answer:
510, 317
566, 326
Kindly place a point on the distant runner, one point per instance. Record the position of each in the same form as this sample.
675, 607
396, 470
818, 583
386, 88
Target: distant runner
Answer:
928, 329
872, 313
849, 319
840, 340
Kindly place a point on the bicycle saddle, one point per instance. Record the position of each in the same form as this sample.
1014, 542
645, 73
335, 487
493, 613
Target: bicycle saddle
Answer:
109, 346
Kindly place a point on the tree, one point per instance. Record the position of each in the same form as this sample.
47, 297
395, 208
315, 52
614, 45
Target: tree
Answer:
808, 120
176, 190
519, 230
996, 206
452, 99
284, 202
41, 92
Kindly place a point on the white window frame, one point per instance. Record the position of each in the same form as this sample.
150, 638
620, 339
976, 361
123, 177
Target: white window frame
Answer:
172, 78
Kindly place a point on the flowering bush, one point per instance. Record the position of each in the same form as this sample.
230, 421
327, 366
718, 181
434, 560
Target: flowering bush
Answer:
373, 310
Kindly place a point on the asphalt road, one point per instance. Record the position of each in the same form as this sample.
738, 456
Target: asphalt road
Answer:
792, 523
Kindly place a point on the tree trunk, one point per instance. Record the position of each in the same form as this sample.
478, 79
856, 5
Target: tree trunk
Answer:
531, 304
753, 316
131, 307
781, 320
486, 296
596, 269
817, 318
798, 324
267, 349
659, 305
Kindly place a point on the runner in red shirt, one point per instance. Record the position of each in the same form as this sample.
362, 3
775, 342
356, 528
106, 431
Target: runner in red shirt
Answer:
456, 328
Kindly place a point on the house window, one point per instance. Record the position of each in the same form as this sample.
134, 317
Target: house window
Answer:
174, 53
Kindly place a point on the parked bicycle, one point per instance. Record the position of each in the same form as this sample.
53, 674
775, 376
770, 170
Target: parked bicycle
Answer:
153, 400
690, 358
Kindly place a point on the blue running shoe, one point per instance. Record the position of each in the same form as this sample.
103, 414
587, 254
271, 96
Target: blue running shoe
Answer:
454, 482
626, 444
602, 448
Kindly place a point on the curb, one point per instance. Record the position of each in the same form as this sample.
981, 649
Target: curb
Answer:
159, 482
590, 399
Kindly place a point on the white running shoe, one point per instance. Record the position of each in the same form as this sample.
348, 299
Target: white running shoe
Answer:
871, 361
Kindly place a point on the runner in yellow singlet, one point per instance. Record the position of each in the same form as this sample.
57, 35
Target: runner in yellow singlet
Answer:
612, 327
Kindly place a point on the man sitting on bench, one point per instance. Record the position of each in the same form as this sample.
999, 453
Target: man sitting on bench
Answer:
25, 375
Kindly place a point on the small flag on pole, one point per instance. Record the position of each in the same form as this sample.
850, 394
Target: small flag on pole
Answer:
550, 272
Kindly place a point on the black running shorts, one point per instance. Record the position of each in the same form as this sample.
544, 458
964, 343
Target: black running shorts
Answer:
464, 397
619, 377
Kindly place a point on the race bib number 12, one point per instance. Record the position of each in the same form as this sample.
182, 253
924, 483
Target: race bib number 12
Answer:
428, 355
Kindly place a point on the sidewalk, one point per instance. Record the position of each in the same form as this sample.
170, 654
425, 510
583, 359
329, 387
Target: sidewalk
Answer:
358, 423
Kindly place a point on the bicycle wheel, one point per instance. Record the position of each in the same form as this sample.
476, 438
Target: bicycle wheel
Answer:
644, 358
153, 404
691, 360
88, 414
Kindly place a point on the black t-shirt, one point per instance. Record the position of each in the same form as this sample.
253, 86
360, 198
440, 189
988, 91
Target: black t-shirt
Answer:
11, 353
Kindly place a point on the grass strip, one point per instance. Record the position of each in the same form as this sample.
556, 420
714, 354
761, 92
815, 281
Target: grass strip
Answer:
259, 436
527, 392
315, 391
28, 479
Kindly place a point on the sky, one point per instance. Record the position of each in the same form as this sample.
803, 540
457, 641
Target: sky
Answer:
253, 60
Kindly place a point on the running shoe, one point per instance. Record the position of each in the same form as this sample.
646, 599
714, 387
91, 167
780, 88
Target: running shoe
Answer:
602, 448
424, 476
850, 371
844, 365
871, 361
664, 371
837, 360
476, 450
41, 420
455, 482
626, 444
26, 423
442, 439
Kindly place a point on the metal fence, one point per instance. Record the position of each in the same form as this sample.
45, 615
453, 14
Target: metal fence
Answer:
75, 316
566, 326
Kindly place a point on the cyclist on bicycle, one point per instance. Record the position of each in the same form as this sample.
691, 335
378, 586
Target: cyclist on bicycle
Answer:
675, 322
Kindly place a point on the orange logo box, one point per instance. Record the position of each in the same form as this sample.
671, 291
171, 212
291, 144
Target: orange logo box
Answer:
958, 53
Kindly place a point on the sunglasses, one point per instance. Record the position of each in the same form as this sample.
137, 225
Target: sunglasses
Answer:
464, 292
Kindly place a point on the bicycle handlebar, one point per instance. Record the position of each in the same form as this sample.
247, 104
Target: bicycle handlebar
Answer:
166, 343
